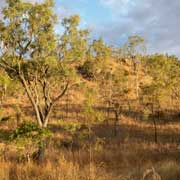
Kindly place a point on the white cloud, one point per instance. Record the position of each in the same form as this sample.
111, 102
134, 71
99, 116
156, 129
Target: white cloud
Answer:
157, 21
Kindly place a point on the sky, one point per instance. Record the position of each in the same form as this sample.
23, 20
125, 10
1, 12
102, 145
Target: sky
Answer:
157, 21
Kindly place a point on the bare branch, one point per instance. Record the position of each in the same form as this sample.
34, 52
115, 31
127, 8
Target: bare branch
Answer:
5, 65
62, 93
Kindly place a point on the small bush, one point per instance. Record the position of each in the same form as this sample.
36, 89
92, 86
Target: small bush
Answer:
30, 130
87, 70
29, 138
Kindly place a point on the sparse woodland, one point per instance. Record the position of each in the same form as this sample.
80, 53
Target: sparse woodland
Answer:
75, 108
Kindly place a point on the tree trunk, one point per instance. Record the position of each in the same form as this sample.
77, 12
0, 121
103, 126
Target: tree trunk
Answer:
46, 119
136, 70
30, 96
155, 126
115, 123
39, 156
67, 105
108, 112
42, 115
155, 131
137, 84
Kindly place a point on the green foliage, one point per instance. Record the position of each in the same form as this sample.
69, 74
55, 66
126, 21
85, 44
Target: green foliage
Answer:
160, 69
27, 29
29, 133
73, 43
88, 70
135, 46
7, 85
32, 54
89, 101
99, 50
44, 62
96, 62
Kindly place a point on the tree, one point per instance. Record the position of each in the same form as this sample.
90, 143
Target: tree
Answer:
115, 91
5, 85
29, 54
72, 47
163, 72
73, 42
96, 62
133, 50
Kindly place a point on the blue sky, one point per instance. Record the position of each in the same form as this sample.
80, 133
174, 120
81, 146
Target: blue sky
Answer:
114, 20
91, 11
96, 15
157, 21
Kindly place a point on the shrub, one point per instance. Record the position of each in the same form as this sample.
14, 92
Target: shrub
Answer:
30, 130
87, 70
28, 138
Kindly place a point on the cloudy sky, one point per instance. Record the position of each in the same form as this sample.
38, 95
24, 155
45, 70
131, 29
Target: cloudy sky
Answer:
158, 21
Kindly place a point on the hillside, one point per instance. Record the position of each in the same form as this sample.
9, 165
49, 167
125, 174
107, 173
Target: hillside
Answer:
76, 108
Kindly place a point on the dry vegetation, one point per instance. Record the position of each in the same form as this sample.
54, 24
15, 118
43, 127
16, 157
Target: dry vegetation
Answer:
72, 108
71, 155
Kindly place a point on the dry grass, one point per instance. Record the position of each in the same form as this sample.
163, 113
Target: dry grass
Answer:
129, 161
128, 156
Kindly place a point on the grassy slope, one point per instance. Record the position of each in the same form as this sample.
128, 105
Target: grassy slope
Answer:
104, 156
72, 154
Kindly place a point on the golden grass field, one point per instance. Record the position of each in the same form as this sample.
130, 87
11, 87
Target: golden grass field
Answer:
71, 155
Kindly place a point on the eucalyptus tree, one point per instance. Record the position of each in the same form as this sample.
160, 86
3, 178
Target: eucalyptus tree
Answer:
73, 43
174, 78
164, 75
120, 93
134, 49
97, 58
115, 91
30, 54
73, 46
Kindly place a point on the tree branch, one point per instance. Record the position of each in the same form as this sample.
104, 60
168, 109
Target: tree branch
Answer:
62, 93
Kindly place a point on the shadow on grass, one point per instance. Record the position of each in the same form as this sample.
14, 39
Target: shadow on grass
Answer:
136, 134
4, 135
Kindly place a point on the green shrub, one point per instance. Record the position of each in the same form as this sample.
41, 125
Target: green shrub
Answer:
29, 133
30, 140
87, 70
